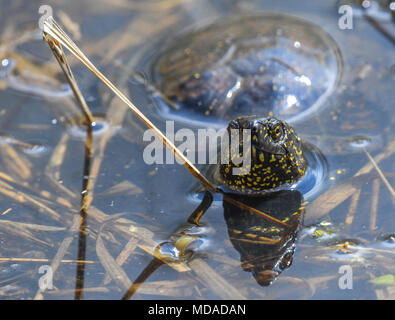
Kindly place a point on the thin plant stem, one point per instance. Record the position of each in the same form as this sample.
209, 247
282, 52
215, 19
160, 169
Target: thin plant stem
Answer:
59, 37
64, 65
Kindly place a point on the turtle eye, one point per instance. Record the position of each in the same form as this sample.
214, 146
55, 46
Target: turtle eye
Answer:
277, 133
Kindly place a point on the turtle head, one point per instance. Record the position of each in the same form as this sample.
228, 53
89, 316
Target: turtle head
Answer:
276, 156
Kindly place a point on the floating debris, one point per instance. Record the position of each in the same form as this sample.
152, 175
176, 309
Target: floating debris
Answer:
383, 281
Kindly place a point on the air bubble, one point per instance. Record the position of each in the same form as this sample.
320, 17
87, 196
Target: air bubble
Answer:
78, 130
7, 65
35, 149
360, 142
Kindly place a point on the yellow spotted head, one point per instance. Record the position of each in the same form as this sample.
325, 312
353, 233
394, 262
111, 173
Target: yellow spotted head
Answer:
276, 156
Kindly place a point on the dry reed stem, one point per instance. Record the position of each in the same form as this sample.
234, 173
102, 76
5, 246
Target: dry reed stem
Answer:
176, 288
9, 227
44, 260
5, 212
333, 197
21, 197
52, 170
16, 163
214, 281
64, 65
381, 174
36, 227
374, 204
62, 250
127, 250
253, 210
68, 292
353, 207
113, 269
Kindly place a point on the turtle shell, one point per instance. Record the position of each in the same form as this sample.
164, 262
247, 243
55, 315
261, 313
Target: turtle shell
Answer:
268, 64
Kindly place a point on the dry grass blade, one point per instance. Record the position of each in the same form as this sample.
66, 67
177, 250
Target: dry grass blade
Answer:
374, 204
52, 170
388, 152
332, 198
381, 174
177, 288
124, 255
353, 208
150, 87
9, 140
22, 197
253, 210
5, 212
214, 281
125, 187
337, 195
37, 227
291, 286
10, 227
62, 250
68, 292
113, 269
15, 162
10, 280
43, 260
61, 38
64, 65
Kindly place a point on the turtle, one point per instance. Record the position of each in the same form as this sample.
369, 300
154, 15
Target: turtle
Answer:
261, 155
266, 64
267, 183
262, 207
276, 159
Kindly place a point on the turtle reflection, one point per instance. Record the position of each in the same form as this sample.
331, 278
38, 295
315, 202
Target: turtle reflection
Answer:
266, 248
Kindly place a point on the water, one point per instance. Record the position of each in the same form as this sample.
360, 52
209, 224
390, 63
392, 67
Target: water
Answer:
136, 206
